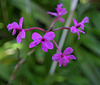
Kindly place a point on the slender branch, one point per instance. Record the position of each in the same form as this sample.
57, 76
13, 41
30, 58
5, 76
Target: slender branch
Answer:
18, 54
34, 28
64, 34
17, 66
51, 26
57, 46
15, 70
61, 28
20, 62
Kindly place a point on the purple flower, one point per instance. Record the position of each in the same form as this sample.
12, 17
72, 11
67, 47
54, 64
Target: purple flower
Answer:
17, 27
74, 29
45, 40
60, 12
64, 57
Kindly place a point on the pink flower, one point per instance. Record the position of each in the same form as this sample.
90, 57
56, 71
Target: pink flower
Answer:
17, 27
74, 29
64, 57
45, 40
60, 12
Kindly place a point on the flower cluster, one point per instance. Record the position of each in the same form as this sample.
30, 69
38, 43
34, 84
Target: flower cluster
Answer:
17, 27
60, 12
74, 29
62, 58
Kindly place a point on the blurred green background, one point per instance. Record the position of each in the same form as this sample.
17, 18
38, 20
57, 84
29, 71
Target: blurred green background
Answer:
85, 70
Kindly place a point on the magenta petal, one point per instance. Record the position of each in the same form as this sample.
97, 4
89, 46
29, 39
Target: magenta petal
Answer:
75, 22
18, 39
33, 44
81, 31
60, 62
59, 5
44, 48
61, 19
85, 20
73, 29
21, 22
78, 35
36, 36
56, 57
71, 57
68, 51
22, 34
9, 26
49, 36
15, 25
82, 26
52, 13
49, 45
14, 32
62, 11
64, 63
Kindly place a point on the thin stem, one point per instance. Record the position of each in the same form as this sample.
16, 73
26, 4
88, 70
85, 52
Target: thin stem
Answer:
53, 22
57, 46
51, 26
20, 62
15, 70
17, 66
34, 28
18, 54
61, 28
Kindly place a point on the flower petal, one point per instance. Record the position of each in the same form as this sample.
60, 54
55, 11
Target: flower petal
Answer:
56, 57
49, 36
82, 26
18, 39
34, 43
22, 34
52, 13
81, 31
60, 62
36, 36
14, 32
62, 11
44, 48
21, 22
73, 29
78, 35
59, 5
75, 22
85, 20
49, 45
64, 63
15, 25
71, 57
61, 19
9, 26
68, 51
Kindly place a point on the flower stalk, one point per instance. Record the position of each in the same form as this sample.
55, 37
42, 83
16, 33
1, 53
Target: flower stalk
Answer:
62, 58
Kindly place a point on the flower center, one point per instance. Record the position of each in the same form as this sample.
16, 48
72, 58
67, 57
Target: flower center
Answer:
43, 40
78, 26
62, 56
18, 29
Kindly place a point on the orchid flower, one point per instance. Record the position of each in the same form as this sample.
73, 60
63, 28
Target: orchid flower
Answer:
17, 27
